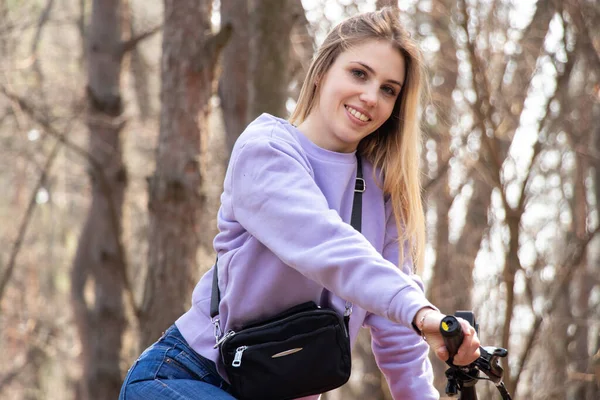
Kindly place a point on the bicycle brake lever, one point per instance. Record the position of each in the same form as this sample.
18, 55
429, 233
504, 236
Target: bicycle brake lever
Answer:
489, 363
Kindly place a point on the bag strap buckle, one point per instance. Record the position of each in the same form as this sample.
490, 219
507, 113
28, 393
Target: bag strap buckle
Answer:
360, 185
348, 309
217, 330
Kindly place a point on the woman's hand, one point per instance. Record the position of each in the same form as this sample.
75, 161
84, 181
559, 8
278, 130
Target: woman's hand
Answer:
428, 321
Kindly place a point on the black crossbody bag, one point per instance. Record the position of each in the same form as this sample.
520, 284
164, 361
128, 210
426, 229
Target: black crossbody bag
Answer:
303, 351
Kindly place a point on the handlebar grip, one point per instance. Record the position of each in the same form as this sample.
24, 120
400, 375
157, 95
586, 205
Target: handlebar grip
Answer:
452, 333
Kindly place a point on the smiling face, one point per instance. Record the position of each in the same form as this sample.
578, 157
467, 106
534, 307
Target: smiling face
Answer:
355, 96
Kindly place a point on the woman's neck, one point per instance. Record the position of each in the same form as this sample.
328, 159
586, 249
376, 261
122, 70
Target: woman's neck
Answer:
313, 127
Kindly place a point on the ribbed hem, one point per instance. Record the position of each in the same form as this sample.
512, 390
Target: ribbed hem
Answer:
405, 305
197, 330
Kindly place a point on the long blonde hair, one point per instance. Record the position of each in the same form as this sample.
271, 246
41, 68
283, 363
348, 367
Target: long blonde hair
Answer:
395, 147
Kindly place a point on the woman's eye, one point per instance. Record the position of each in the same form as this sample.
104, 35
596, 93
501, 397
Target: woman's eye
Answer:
358, 73
389, 90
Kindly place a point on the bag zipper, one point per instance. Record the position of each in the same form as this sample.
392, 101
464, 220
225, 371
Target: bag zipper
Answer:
291, 317
232, 333
237, 359
225, 337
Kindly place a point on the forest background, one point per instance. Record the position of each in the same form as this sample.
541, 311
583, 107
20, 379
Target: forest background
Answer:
117, 118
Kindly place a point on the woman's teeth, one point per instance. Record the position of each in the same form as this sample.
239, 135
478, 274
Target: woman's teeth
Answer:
357, 114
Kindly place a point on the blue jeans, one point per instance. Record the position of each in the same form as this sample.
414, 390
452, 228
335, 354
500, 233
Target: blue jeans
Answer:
170, 369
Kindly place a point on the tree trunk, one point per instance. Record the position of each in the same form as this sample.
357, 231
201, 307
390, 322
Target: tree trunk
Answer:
554, 381
583, 283
233, 85
373, 385
525, 62
582, 286
446, 68
451, 282
138, 66
303, 48
176, 196
271, 23
494, 156
594, 387
99, 265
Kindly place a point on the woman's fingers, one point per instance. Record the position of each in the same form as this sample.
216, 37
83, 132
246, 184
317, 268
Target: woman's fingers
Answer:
442, 353
469, 349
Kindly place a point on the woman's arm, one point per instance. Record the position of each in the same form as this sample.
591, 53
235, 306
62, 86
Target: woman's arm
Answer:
274, 197
402, 355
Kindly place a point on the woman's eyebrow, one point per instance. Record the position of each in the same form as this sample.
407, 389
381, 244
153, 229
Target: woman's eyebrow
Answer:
371, 70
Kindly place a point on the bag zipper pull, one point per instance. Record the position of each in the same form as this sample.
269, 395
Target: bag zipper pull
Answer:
237, 360
227, 335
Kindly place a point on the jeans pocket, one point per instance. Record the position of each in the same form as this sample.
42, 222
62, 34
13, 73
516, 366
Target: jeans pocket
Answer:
172, 358
148, 364
176, 365
181, 362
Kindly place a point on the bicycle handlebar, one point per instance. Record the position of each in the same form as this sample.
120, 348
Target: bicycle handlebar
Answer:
464, 378
453, 335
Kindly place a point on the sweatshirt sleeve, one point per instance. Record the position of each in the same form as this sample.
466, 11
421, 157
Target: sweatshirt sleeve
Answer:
275, 198
401, 355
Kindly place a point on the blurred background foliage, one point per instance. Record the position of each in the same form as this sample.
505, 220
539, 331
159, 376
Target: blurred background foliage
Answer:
116, 122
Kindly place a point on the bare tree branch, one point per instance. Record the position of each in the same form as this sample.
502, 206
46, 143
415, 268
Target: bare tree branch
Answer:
578, 14
44, 122
130, 44
41, 23
49, 128
436, 179
588, 153
571, 264
482, 107
81, 29
561, 84
32, 355
8, 270
386, 3
208, 55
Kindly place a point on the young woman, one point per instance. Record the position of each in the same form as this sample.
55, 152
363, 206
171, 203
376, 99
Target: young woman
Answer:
284, 233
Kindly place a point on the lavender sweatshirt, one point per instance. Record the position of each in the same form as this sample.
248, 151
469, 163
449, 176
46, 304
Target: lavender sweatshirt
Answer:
285, 235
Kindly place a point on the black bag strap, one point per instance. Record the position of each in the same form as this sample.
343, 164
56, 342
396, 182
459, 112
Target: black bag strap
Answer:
355, 220
359, 187
215, 297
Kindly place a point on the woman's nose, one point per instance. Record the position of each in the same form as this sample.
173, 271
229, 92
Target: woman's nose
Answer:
369, 97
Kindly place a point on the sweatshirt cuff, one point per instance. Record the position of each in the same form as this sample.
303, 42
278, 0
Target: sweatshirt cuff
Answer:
405, 305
